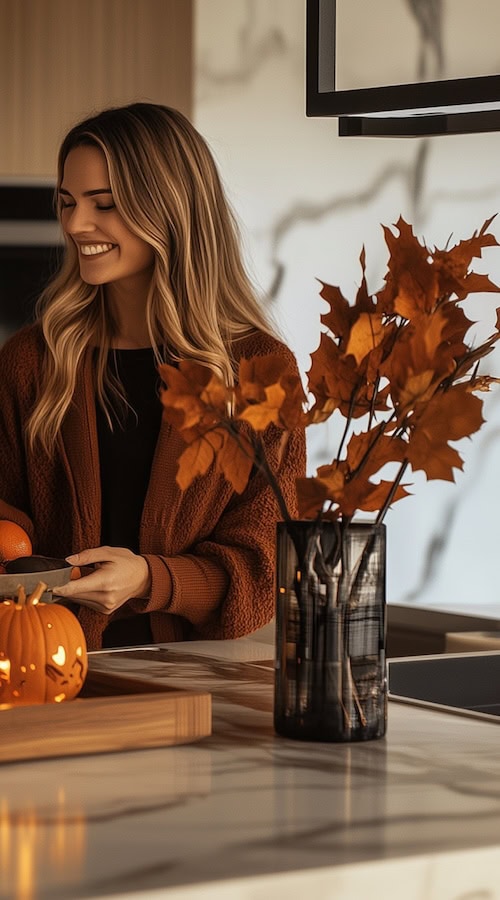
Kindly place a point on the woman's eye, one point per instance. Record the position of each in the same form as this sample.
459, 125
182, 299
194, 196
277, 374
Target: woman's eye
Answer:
66, 205
104, 208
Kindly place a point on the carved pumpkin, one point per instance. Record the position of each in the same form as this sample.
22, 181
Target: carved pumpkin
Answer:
43, 653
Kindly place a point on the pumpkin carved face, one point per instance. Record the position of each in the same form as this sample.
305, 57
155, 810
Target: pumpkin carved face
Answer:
43, 654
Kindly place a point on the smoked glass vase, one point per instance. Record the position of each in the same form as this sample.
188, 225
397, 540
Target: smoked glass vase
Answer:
331, 677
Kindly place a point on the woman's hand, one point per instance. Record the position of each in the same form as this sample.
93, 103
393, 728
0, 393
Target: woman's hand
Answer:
119, 575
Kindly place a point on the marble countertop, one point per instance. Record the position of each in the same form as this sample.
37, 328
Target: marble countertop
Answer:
247, 814
445, 617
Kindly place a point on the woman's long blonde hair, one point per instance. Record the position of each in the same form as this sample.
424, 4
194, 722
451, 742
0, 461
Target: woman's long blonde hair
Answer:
166, 187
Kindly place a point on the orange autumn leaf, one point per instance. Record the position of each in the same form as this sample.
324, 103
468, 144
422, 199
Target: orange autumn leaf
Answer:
449, 416
340, 316
194, 395
269, 392
373, 497
427, 346
235, 460
312, 494
336, 383
340, 491
454, 414
434, 457
418, 387
215, 394
292, 410
196, 459
260, 415
370, 451
232, 456
432, 331
411, 282
258, 373
476, 283
366, 334
196, 403
347, 494
420, 361
356, 491
455, 331
182, 410
360, 494
453, 265
188, 377
417, 292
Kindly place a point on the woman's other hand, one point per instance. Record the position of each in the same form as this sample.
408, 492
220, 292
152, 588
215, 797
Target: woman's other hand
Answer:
119, 575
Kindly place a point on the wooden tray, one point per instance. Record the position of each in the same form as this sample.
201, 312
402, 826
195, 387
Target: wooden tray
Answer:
112, 713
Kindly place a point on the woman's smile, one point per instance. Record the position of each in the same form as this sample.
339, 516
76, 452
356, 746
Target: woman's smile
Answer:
96, 249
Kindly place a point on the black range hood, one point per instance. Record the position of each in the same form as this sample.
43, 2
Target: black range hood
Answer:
451, 106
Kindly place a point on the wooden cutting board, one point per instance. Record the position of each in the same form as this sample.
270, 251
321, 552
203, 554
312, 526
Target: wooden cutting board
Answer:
113, 713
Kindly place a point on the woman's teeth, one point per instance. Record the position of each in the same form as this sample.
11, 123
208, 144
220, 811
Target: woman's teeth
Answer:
94, 249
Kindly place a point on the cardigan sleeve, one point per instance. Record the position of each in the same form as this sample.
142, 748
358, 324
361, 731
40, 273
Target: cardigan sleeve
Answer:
16, 387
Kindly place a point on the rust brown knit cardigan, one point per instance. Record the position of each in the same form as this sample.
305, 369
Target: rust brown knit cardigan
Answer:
210, 551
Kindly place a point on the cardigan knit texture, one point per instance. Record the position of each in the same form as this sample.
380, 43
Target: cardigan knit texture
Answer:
210, 551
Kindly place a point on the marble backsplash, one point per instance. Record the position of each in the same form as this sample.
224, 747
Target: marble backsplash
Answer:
308, 201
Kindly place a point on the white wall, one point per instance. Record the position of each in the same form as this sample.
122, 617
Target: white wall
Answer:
308, 201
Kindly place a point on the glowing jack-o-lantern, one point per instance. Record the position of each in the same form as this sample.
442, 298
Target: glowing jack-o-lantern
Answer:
43, 653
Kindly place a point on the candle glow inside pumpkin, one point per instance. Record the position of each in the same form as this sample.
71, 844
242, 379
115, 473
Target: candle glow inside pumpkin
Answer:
43, 653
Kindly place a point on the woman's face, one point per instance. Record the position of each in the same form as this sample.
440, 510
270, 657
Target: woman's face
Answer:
109, 253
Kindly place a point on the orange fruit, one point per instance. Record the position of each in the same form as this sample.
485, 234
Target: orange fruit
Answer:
75, 573
14, 541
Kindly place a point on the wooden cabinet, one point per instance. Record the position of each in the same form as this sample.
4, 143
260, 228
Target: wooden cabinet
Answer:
61, 60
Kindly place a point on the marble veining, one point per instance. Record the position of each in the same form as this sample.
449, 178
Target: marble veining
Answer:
253, 47
429, 17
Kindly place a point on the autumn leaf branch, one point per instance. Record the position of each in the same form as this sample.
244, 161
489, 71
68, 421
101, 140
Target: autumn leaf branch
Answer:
232, 442
397, 363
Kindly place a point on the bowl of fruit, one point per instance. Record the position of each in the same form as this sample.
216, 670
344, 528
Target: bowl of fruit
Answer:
20, 567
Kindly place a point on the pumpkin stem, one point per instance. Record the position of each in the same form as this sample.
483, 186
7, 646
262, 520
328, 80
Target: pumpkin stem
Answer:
21, 595
35, 595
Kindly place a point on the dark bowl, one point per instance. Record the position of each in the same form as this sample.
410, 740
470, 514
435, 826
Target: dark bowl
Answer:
53, 572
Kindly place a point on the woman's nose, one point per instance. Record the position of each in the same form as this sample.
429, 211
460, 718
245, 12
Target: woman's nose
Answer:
78, 220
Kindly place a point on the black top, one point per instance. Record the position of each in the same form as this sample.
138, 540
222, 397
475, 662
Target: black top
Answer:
126, 452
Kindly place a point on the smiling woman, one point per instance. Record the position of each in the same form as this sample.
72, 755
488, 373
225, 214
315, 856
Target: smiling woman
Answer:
152, 273
109, 252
